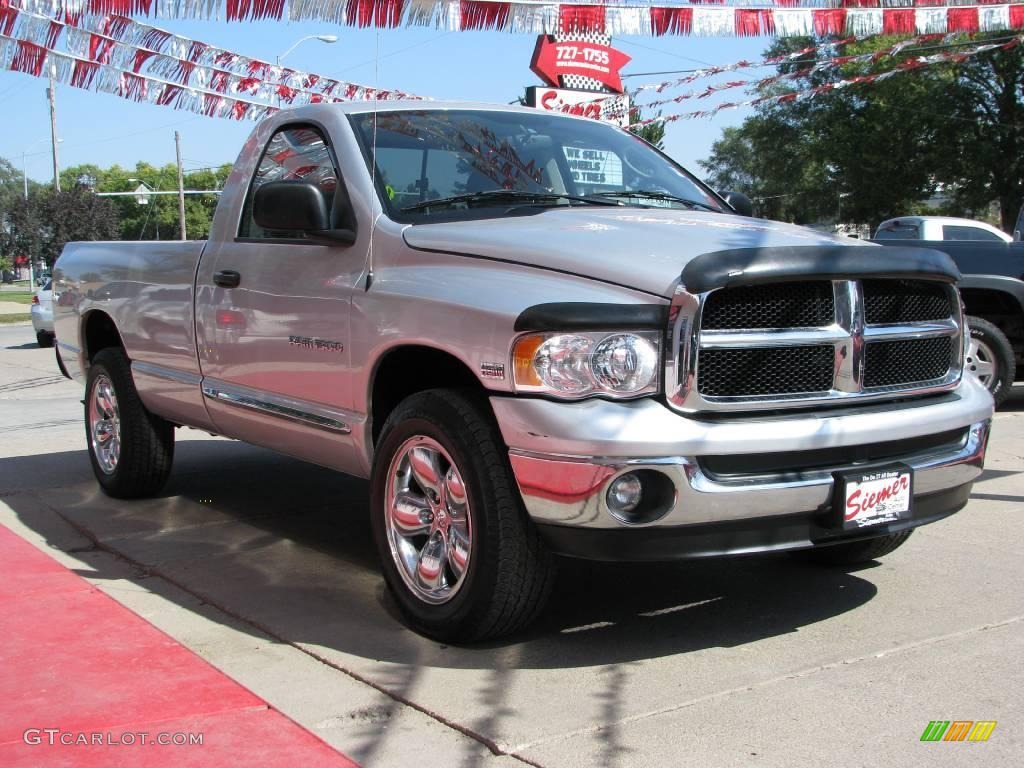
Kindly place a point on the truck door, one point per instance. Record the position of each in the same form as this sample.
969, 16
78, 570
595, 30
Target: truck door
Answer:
273, 318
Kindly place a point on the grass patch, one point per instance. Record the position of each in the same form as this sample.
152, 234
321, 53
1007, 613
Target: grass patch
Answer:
20, 317
18, 297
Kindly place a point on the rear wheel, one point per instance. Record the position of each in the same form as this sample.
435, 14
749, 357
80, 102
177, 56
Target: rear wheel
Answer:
131, 449
44, 339
854, 552
458, 551
991, 358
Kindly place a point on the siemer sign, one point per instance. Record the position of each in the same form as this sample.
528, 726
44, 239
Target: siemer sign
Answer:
590, 65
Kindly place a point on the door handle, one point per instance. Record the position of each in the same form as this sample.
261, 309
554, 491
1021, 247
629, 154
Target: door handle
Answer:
227, 278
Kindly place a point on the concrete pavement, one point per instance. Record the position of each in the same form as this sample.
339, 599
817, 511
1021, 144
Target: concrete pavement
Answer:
265, 566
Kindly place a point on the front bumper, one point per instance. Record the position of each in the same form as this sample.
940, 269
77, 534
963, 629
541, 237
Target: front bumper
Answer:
564, 455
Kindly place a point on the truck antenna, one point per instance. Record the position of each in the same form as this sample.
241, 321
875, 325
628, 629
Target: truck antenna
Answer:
373, 157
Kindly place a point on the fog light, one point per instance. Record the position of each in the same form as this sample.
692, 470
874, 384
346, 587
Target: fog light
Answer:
625, 493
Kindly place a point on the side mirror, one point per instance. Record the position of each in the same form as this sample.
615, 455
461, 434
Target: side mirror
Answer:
296, 206
739, 203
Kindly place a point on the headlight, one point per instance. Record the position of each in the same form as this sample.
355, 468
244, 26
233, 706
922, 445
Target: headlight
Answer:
574, 365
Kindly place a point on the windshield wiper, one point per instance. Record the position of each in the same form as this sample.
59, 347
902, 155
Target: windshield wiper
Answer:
503, 195
653, 194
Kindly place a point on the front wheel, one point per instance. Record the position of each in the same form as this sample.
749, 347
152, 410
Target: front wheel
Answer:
991, 358
854, 552
458, 551
131, 449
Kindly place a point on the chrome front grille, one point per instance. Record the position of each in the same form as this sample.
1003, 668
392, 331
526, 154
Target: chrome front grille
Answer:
774, 371
904, 301
803, 305
907, 362
795, 343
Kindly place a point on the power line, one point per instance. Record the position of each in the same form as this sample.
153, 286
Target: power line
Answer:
628, 43
764, 64
394, 53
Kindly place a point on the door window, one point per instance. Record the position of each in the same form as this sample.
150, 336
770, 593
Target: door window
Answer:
296, 153
968, 233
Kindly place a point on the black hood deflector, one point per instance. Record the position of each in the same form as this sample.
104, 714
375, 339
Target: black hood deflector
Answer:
757, 266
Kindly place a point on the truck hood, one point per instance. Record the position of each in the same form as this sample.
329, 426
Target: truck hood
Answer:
643, 248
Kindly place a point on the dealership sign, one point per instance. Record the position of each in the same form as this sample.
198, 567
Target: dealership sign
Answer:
609, 107
553, 61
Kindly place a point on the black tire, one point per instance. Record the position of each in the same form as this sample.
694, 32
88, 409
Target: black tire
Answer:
994, 348
510, 572
854, 552
44, 339
146, 440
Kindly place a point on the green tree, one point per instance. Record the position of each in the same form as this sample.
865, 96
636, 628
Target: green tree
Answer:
11, 197
158, 217
40, 226
75, 213
871, 151
652, 133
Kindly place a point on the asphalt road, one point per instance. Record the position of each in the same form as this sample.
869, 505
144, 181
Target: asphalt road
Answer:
264, 565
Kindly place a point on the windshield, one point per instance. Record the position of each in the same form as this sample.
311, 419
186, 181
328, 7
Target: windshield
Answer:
463, 157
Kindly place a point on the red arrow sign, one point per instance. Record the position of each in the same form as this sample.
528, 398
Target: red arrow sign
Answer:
553, 60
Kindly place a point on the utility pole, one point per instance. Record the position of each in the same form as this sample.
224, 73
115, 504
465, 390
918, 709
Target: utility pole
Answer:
181, 185
51, 93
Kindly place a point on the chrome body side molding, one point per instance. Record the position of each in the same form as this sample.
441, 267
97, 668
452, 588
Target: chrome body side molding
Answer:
285, 408
162, 372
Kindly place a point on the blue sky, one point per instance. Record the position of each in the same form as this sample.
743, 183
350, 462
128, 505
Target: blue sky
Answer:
483, 66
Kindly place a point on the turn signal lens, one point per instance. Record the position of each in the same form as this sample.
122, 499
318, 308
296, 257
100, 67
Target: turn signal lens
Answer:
522, 361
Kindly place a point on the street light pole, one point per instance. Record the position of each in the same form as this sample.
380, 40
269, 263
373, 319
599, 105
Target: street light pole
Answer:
296, 44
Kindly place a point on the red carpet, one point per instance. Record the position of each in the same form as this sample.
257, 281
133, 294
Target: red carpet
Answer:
77, 663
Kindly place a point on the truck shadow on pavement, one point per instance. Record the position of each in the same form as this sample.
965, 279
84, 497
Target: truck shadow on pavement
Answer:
286, 547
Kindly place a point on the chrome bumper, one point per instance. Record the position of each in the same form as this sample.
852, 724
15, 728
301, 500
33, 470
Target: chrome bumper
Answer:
565, 455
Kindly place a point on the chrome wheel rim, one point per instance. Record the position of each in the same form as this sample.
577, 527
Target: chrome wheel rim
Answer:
981, 361
105, 424
428, 523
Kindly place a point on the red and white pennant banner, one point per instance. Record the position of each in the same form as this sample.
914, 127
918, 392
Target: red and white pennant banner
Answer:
24, 56
116, 55
909, 65
819, 65
124, 43
700, 18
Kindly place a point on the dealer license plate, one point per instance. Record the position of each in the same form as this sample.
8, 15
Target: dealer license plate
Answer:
876, 497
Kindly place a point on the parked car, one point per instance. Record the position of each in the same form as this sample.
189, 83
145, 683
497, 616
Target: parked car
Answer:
992, 265
42, 314
940, 228
559, 342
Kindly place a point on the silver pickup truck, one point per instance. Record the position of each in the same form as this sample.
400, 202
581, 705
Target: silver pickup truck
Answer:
535, 334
